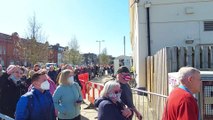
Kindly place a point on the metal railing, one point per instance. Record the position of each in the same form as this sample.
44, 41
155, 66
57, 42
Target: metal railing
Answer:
5, 117
149, 104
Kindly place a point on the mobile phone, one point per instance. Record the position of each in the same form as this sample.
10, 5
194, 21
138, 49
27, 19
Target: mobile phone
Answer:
78, 101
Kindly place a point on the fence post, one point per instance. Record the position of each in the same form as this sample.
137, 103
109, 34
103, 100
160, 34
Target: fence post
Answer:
174, 55
211, 56
205, 53
189, 56
181, 57
148, 72
197, 57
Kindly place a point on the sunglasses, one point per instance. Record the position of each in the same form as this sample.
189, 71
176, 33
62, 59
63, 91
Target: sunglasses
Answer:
117, 91
125, 74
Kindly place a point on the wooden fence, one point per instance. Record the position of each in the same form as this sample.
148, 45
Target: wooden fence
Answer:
170, 59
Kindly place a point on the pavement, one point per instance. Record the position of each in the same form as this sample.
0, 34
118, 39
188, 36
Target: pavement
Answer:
102, 79
88, 112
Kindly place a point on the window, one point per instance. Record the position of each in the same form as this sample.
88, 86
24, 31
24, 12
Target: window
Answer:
208, 25
1, 51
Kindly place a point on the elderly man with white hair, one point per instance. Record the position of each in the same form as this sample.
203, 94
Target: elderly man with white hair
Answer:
181, 104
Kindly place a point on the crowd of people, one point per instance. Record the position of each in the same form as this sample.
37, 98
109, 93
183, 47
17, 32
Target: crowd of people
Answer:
29, 93
41, 94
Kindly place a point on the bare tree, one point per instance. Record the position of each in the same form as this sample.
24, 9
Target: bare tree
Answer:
34, 30
36, 46
72, 54
73, 44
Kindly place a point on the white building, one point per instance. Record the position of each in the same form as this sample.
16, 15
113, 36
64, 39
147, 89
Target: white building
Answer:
122, 61
170, 23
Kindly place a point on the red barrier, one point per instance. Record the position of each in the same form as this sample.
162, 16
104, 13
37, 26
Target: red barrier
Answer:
83, 90
91, 87
83, 78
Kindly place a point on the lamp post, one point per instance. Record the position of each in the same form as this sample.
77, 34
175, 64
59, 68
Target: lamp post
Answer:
99, 41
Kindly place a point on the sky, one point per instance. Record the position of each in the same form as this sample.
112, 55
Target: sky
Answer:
61, 20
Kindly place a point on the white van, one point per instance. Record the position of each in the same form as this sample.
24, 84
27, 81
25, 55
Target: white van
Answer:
49, 64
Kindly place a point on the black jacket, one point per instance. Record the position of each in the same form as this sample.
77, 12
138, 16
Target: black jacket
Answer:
107, 110
53, 74
9, 95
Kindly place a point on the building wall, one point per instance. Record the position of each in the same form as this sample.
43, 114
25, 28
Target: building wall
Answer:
3, 47
172, 23
8, 57
139, 47
55, 54
90, 59
6, 54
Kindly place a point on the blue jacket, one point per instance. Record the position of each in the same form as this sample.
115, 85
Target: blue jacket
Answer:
107, 110
65, 98
35, 105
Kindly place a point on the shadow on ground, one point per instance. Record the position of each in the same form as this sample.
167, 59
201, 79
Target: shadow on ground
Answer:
84, 118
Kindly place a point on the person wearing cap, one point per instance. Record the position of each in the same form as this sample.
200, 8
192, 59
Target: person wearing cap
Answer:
181, 104
37, 104
11, 89
123, 77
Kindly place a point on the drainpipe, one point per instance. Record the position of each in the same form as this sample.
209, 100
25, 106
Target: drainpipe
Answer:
147, 6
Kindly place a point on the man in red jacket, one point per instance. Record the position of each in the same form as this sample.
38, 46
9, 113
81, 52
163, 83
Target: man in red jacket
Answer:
181, 104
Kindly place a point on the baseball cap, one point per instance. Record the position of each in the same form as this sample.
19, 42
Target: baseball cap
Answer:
123, 69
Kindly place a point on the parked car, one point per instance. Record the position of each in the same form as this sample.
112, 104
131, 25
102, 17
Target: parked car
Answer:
49, 64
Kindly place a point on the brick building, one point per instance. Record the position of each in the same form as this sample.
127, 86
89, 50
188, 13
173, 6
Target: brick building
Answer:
90, 59
12, 53
56, 53
8, 49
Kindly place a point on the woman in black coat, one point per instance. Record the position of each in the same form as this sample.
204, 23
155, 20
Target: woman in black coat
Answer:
110, 107
11, 89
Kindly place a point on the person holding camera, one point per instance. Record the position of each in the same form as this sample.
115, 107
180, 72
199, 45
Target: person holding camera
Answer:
110, 106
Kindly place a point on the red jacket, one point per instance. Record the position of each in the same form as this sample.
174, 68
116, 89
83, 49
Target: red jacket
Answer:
181, 105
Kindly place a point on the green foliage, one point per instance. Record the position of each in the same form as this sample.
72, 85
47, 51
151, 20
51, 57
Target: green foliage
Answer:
72, 54
103, 57
36, 47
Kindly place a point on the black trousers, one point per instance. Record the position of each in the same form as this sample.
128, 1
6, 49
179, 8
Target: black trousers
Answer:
76, 118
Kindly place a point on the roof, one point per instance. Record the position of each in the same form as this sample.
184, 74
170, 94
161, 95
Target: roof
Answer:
4, 36
123, 57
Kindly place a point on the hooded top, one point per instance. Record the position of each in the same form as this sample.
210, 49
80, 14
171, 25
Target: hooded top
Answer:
107, 110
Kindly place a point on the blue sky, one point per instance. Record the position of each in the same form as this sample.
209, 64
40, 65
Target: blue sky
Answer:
61, 20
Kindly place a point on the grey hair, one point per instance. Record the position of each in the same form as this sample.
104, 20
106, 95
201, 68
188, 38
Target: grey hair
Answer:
185, 72
109, 85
